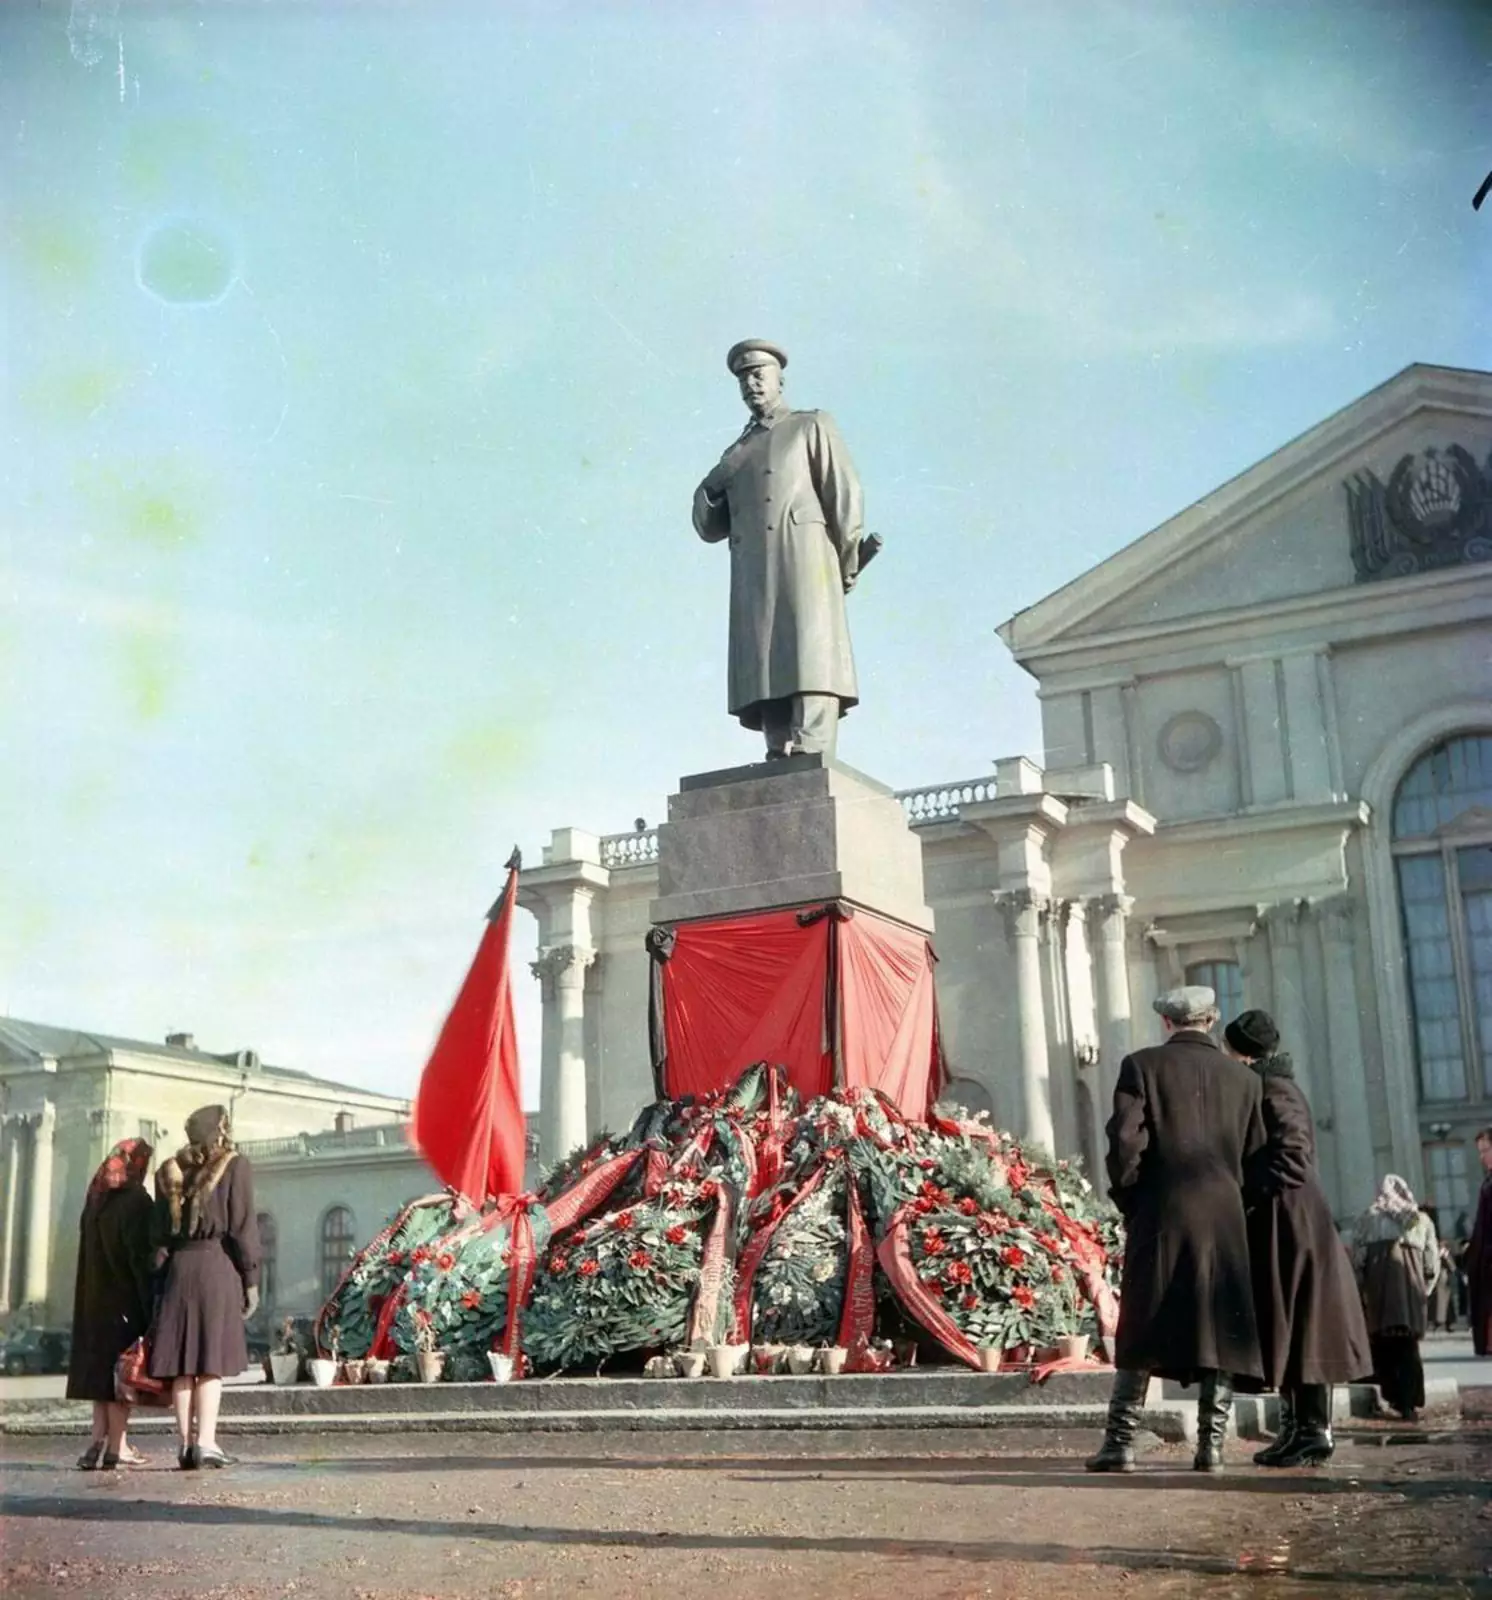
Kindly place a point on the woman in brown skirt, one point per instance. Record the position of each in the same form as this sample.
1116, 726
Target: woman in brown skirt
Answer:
205, 1220
112, 1300
1311, 1329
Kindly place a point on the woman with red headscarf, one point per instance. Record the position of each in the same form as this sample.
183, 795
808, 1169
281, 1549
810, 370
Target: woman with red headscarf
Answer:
112, 1300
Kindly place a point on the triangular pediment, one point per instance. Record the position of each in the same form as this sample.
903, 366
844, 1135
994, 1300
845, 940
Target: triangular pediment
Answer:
1393, 486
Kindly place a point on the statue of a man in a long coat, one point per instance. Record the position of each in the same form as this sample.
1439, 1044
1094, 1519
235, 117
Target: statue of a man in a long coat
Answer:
786, 496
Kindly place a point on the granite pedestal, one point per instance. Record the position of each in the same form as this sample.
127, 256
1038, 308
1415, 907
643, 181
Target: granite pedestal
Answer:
787, 833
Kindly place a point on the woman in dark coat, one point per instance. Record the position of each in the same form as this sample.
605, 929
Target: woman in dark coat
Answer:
112, 1300
205, 1220
1311, 1329
1396, 1256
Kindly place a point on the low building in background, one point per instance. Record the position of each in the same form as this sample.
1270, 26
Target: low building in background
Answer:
67, 1096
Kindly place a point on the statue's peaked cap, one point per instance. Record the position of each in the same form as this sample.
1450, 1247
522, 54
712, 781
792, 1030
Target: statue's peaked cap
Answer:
754, 353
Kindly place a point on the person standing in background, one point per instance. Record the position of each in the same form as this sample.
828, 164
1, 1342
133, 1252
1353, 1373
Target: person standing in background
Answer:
1396, 1255
1477, 1261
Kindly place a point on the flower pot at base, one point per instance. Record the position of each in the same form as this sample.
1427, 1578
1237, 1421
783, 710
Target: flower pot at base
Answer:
431, 1364
376, 1371
1073, 1347
284, 1369
323, 1371
800, 1359
991, 1358
1016, 1355
726, 1360
1046, 1355
501, 1366
354, 1371
832, 1360
690, 1363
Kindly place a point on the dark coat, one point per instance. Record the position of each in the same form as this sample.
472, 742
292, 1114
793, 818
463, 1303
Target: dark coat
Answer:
112, 1298
1311, 1327
1477, 1264
1186, 1119
199, 1332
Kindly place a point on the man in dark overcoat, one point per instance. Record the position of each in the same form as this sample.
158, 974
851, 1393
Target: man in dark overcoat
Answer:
1477, 1262
786, 496
1186, 1119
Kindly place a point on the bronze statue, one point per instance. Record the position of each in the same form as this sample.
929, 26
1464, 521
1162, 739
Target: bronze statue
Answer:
786, 496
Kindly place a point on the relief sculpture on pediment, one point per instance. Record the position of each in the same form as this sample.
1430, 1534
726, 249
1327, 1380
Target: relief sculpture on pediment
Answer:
1434, 511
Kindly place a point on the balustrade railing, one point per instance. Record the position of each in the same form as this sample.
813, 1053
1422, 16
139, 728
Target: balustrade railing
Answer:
939, 802
377, 1136
630, 849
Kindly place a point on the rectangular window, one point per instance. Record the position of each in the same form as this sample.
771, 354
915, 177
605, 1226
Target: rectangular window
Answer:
1225, 979
1432, 978
1474, 869
1450, 1192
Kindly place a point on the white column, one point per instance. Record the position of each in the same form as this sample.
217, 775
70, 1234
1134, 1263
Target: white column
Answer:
1287, 982
39, 1205
1356, 1175
10, 1134
1023, 915
562, 1099
1110, 915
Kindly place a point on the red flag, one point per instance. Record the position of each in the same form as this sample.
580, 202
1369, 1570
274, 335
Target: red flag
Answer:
468, 1114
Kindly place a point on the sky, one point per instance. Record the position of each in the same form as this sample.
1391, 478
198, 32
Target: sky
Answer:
360, 362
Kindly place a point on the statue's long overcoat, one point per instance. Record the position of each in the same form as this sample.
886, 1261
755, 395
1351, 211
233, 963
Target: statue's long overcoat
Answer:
1186, 1119
787, 497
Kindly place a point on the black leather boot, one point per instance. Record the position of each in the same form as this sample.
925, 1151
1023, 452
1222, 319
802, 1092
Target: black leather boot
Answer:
1126, 1399
1313, 1443
1284, 1437
1214, 1406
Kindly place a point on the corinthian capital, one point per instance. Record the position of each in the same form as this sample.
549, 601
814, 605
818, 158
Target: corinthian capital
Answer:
562, 963
1023, 910
1336, 917
1283, 921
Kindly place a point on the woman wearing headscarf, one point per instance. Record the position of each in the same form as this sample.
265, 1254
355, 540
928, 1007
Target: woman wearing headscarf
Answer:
205, 1220
1396, 1255
1311, 1329
112, 1298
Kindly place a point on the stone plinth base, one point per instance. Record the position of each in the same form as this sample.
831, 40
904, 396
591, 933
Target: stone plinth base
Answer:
787, 833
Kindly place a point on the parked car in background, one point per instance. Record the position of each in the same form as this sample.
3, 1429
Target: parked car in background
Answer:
36, 1350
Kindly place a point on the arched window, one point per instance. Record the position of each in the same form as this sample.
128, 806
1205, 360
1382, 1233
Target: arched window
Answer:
269, 1260
1442, 844
1225, 979
338, 1245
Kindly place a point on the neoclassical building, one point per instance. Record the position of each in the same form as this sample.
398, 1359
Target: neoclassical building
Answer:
67, 1096
1267, 766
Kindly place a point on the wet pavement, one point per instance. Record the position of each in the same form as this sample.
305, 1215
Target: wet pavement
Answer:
1399, 1512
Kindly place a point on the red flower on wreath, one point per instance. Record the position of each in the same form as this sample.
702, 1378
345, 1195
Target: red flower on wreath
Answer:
445, 1261
471, 1299
395, 1258
959, 1272
421, 1256
834, 1152
708, 1189
589, 1267
970, 1302
1049, 1242
676, 1234
639, 1260
1023, 1296
624, 1219
930, 1191
969, 1207
1013, 1256
933, 1283
1017, 1173
933, 1242
1059, 1273
559, 1261
927, 1165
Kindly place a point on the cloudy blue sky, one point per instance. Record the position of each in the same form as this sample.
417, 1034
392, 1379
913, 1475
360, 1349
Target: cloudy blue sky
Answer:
360, 361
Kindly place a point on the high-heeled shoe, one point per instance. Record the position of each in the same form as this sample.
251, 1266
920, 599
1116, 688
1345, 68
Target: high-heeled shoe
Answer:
186, 1458
88, 1461
211, 1455
108, 1462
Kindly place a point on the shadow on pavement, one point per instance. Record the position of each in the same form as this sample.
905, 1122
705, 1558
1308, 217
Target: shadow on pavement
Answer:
272, 1521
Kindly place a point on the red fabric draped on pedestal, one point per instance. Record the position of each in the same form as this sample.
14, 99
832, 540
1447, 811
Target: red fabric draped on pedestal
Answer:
842, 997
738, 990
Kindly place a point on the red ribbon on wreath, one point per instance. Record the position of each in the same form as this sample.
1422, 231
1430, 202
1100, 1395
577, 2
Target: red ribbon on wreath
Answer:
523, 1263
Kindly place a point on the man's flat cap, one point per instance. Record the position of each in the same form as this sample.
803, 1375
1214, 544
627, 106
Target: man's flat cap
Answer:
1191, 1003
754, 353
